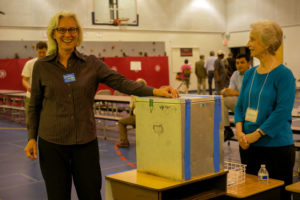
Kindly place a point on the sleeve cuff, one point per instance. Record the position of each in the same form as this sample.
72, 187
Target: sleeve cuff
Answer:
32, 134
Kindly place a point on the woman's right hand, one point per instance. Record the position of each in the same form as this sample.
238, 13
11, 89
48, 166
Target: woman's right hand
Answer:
167, 91
241, 136
242, 140
31, 149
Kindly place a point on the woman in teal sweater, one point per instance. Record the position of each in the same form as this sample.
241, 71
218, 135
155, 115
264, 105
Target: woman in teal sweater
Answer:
263, 111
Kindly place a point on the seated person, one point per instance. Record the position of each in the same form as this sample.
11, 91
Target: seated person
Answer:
130, 120
231, 94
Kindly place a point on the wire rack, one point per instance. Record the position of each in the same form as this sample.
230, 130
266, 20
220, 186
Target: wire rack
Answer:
236, 172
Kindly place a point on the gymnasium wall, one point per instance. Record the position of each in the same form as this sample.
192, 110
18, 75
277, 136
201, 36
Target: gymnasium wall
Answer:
10, 73
155, 70
203, 24
176, 23
26, 49
241, 14
161, 15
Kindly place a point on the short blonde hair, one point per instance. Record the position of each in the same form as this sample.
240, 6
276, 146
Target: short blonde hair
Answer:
269, 33
52, 44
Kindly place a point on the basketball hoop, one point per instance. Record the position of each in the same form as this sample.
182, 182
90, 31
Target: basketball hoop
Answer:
121, 22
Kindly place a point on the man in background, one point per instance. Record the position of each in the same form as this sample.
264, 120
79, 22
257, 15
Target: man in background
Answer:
129, 120
210, 68
201, 74
41, 50
220, 74
231, 94
230, 67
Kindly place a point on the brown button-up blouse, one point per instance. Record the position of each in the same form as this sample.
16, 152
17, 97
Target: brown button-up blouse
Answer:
61, 103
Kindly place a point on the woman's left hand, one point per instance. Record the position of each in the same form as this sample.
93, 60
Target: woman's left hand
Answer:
252, 137
167, 91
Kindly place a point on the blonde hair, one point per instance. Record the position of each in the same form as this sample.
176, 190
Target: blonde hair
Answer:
53, 23
269, 33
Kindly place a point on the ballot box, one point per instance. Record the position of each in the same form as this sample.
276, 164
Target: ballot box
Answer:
179, 138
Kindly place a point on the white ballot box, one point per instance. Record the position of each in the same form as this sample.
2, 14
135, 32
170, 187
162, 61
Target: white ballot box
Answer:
179, 138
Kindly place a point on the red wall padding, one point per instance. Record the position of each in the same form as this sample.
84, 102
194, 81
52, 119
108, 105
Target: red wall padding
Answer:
10, 73
155, 70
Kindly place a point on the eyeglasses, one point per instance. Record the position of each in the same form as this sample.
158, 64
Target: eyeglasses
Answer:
71, 30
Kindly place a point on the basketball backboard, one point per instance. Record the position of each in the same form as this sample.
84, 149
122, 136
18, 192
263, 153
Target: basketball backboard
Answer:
106, 11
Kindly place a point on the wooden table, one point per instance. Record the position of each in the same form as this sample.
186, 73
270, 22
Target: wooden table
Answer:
110, 105
10, 91
13, 103
13, 97
4, 94
113, 98
295, 190
253, 189
16, 94
135, 185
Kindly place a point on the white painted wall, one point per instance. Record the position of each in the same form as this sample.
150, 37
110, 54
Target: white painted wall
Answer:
241, 13
188, 23
183, 15
291, 50
166, 15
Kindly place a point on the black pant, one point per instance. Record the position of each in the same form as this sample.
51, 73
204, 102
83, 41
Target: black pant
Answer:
211, 75
60, 163
279, 163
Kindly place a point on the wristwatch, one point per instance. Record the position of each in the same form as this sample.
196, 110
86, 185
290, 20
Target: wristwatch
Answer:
261, 133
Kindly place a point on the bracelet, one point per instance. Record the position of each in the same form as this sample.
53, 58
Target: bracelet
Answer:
260, 132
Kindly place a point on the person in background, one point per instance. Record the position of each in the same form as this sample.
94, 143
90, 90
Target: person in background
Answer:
210, 68
61, 113
263, 111
41, 50
201, 74
219, 72
129, 120
231, 94
230, 67
186, 73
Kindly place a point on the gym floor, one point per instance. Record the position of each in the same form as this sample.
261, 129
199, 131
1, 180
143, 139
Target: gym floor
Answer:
20, 177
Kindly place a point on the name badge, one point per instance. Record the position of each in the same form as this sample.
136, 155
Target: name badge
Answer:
68, 78
251, 115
